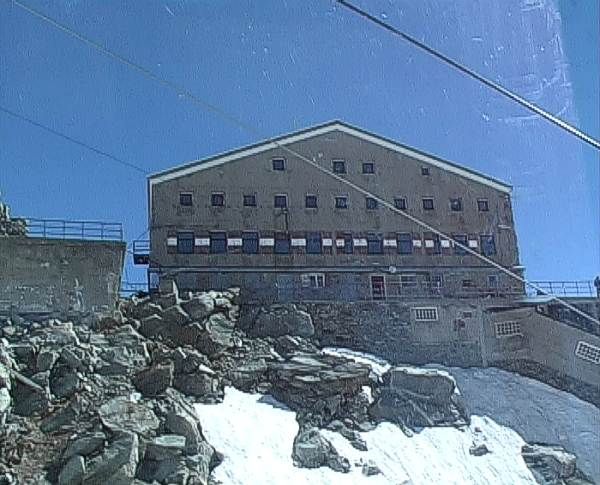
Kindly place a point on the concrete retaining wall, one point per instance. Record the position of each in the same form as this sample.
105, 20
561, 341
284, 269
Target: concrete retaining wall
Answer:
59, 276
465, 334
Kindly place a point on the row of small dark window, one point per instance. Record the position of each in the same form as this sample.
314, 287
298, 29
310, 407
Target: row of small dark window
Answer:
282, 243
280, 201
339, 167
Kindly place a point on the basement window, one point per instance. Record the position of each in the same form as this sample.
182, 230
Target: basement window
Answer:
217, 199
185, 199
250, 242
426, 314
374, 244
588, 352
313, 280
282, 243
405, 243
508, 329
314, 243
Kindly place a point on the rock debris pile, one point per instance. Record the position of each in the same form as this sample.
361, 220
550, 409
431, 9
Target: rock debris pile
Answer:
109, 399
11, 227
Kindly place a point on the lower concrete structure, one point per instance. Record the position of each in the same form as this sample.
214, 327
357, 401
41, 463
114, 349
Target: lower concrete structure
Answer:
59, 276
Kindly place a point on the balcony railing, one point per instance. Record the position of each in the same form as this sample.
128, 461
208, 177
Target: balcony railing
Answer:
64, 229
584, 289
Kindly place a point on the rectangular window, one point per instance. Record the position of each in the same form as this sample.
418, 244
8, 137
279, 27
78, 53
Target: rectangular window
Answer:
218, 242
282, 243
311, 201
278, 164
405, 243
483, 205
371, 203
488, 245
217, 199
341, 202
426, 314
374, 244
250, 200
378, 287
508, 329
428, 203
456, 204
400, 203
408, 280
185, 242
250, 242
492, 281
280, 201
588, 352
462, 239
348, 243
424, 170
313, 280
432, 243
339, 166
185, 199
368, 167
313, 243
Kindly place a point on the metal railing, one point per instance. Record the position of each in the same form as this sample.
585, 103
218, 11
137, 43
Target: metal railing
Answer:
64, 229
584, 289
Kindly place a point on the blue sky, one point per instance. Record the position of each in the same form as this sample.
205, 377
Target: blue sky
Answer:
284, 65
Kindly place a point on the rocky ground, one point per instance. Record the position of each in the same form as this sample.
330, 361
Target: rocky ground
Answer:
109, 398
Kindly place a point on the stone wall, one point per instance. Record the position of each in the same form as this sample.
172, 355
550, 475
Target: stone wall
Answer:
59, 276
11, 226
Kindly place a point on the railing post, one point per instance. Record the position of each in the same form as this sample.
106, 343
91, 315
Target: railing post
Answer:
102, 231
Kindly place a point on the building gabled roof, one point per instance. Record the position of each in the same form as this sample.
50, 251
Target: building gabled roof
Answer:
332, 126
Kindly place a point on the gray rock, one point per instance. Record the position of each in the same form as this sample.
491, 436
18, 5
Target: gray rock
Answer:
184, 424
65, 417
199, 307
427, 383
280, 320
249, 374
117, 464
165, 447
553, 465
73, 471
45, 360
175, 315
28, 401
478, 450
312, 450
85, 445
64, 381
370, 468
199, 385
155, 380
121, 413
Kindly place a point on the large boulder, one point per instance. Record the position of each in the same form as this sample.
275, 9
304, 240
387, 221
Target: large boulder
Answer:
122, 414
313, 450
199, 306
278, 320
117, 464
553, 465
155, 380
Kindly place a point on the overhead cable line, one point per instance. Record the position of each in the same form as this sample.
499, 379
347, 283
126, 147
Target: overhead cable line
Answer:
471, 73
73, 140
252, 130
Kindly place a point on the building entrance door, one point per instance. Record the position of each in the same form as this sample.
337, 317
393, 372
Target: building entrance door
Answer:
378, 287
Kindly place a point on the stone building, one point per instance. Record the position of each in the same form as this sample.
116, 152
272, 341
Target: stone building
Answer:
266, 220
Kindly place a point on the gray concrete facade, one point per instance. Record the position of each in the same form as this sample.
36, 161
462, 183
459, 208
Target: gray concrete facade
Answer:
465, 204
59, 276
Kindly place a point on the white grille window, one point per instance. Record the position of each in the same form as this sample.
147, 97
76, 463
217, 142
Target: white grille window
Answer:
508, 329
588, 352
426, 314
313, 280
